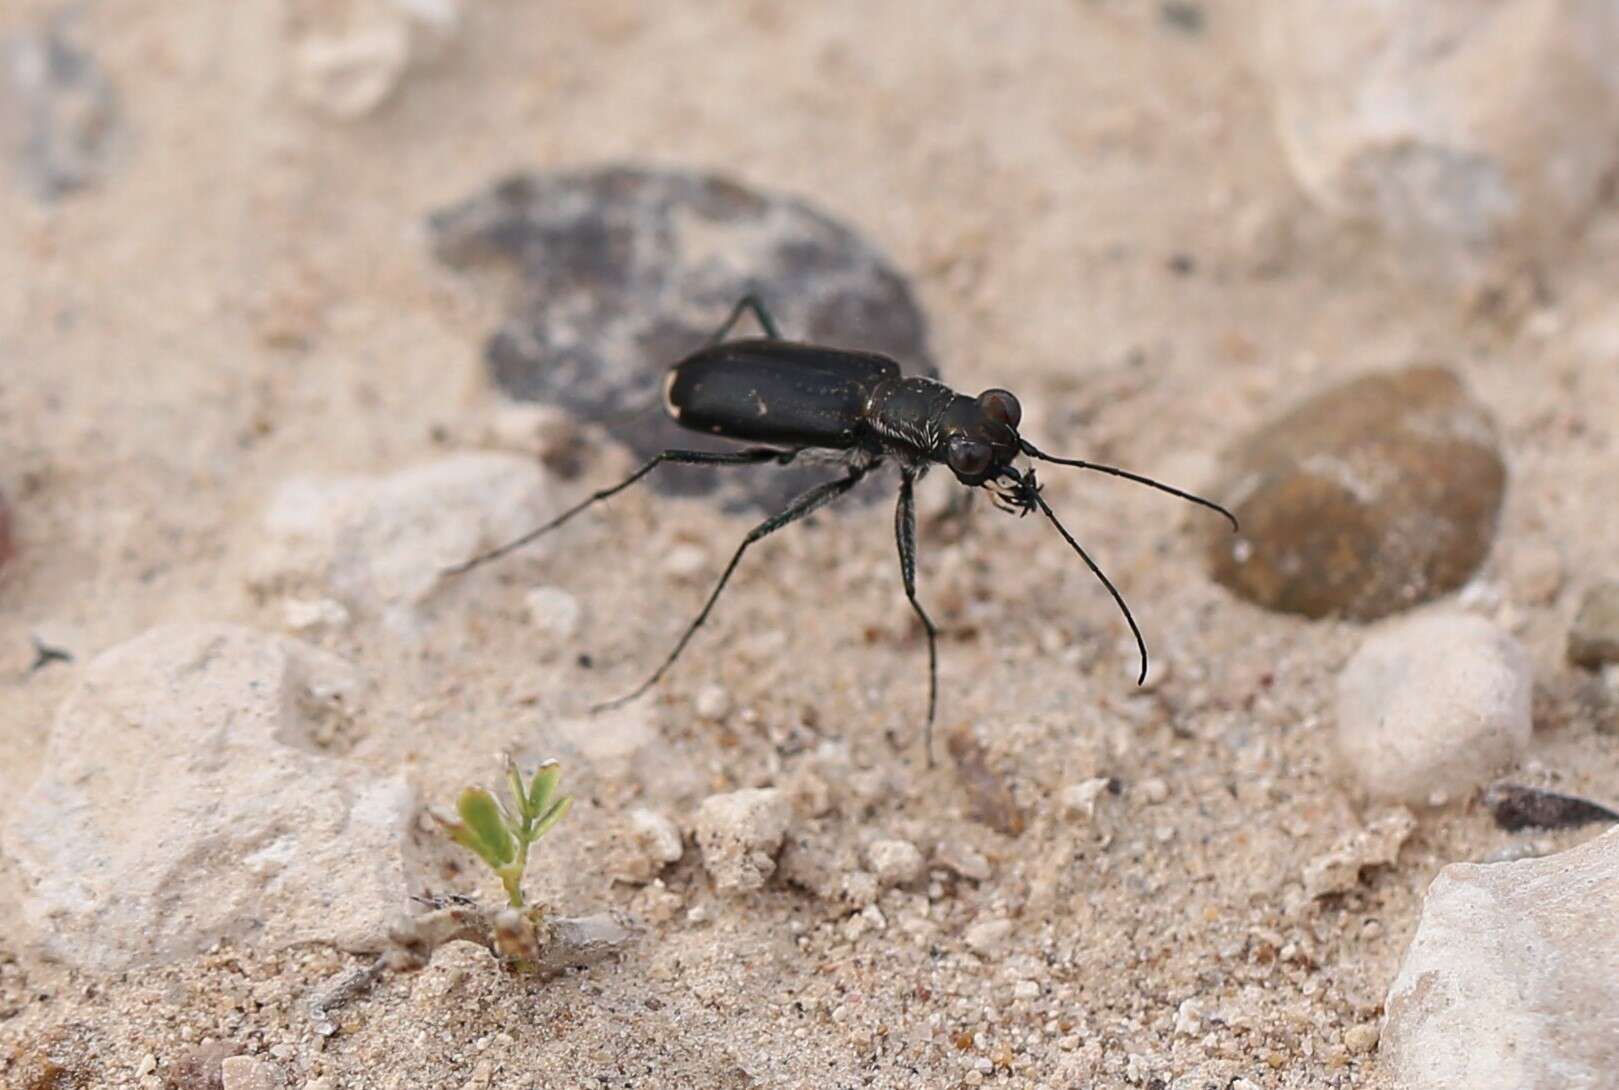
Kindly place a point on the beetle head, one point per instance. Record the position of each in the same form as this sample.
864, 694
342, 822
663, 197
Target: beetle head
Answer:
980, 437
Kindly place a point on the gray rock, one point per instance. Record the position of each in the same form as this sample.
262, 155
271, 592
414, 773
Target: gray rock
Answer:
184, 800
1512, 979
58, 112
1368, 498
1432, 706
624, 271
1399, 115
1593, 641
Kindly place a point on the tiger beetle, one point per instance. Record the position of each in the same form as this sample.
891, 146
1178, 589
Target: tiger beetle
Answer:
792, 399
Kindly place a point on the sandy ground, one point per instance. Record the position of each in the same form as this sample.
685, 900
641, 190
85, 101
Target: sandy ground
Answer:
1038, 175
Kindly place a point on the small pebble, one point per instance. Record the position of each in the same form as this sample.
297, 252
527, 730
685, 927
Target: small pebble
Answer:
1339, 870
553, 611
650, 843
249, 1073
1079, 799
965, 861
685, 561
1154, 791
988, 936
1188, 1018
1593, 641
1361, 1039
895, 862
713, 703
1432, 706
311, 615
739, 834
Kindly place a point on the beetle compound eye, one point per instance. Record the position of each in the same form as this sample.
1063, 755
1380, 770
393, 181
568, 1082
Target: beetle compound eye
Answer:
969, 457
1001, 407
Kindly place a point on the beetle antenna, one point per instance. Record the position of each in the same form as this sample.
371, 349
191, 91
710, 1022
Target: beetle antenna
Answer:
1141, 644
1035, 452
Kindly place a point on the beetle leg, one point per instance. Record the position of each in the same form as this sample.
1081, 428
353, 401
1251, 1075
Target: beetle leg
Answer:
806, 504
749, 302
747, 457
905, 537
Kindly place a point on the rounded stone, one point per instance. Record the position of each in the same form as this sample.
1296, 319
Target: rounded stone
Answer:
1432, 706
1368, 498
622, 272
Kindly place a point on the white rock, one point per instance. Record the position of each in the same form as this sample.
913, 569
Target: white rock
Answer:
964, 860
1154, 791
713, 703
312, 615
384, 542
894, 862
249, 1073
1512, 979
739, 834
348, 56
686, 561
1377, 845
1079, 799
184, 801
1361, 1038
988, 937
1431, 706
1189, 1018
649, 843
553, 611
1455, 127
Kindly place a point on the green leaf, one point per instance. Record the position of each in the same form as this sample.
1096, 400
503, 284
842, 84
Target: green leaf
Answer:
542, 787
552, 816
489, 836
514, 781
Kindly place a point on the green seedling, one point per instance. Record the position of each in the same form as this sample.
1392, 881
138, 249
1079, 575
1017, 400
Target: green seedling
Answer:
501, 835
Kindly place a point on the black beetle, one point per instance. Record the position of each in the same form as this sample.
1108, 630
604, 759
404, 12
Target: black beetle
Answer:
794, 398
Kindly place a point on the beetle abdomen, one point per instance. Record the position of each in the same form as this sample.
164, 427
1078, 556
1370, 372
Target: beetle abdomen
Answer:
776, 392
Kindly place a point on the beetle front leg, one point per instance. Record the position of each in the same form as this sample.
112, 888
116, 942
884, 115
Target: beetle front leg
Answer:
806, 504
905, 537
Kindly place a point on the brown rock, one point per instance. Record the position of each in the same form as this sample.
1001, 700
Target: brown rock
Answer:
1594, 639
1366, 499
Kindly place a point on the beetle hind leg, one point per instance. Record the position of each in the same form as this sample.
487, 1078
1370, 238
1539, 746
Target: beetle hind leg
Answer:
749, 303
